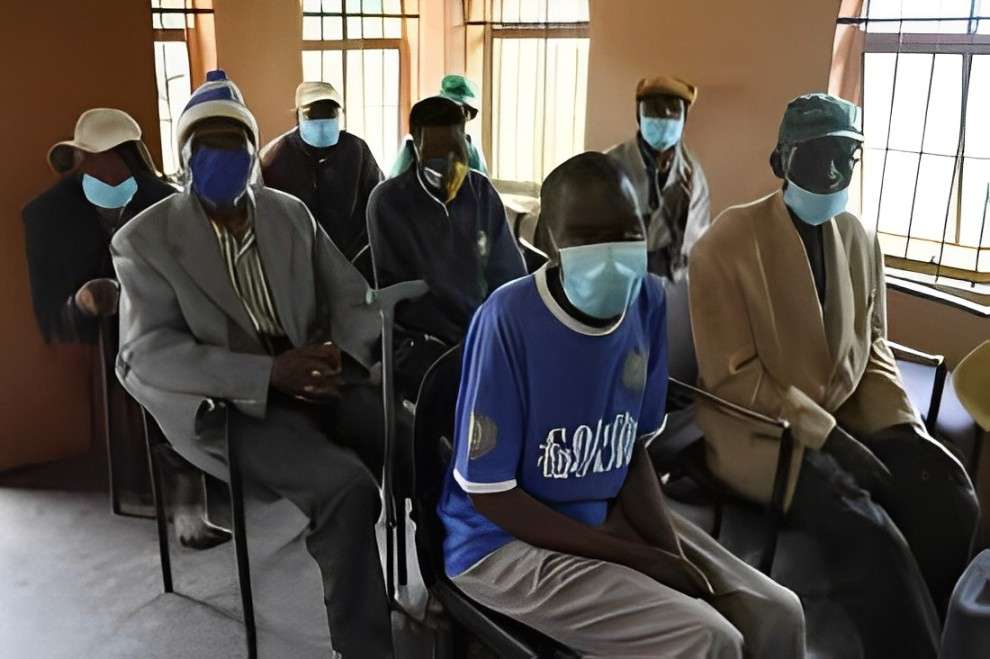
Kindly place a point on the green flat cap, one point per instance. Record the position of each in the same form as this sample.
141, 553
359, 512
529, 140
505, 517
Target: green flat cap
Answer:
811, 116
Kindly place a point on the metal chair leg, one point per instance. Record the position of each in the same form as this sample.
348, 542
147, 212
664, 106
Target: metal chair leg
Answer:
938, 387
240, 537
161, 521
400, 539
977, 451
716, 531
775, 511
101, 342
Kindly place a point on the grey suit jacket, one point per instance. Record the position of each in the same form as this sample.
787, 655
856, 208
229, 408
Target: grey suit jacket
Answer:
685, 172
185, 336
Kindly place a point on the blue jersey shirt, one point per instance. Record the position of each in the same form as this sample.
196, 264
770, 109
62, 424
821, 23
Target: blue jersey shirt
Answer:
552, 406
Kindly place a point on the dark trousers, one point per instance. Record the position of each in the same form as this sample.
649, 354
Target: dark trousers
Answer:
321, 460
892, 557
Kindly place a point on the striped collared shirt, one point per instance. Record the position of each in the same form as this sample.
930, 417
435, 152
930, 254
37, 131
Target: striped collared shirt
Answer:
247, 274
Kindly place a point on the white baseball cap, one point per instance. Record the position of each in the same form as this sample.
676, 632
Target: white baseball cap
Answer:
99, 130
313, 91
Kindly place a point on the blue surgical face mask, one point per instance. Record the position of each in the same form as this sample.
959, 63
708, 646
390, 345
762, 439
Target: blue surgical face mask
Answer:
814, 208
601, 280
319, 133
661, 132
220, 176
105, 195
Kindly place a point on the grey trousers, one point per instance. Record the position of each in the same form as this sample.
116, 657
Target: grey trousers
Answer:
601, 609
317, 465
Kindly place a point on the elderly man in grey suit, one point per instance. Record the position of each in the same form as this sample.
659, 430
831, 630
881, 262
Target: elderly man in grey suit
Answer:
231, 292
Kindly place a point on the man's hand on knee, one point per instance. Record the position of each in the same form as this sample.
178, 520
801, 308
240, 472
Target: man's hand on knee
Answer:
312, 371
674, 571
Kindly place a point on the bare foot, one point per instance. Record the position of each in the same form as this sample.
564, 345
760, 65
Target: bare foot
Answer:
195, 531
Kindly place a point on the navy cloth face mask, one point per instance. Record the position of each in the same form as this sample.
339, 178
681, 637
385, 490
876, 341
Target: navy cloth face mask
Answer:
220, 176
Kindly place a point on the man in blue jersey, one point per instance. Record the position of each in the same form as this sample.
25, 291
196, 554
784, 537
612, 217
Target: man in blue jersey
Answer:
553, 512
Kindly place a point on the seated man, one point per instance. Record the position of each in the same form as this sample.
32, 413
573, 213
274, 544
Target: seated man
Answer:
553, 512
670, 185
231, 292
331, 170
465, 93
444, 223
108, 178
788, 310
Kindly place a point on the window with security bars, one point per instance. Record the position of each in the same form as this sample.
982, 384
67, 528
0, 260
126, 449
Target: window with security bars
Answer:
535, 84
364, 49
924, 182
173, 22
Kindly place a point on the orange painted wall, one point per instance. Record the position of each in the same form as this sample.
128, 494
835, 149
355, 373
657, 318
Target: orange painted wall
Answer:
932, 327
61, 58
259, 45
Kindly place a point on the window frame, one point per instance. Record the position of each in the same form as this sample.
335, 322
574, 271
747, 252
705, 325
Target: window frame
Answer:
346, 44
162, 35
967, 45
494, 29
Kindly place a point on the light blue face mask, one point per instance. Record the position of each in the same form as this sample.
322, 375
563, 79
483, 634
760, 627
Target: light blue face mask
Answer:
105, 195
814, 208
319, 133
602, 280
660, 132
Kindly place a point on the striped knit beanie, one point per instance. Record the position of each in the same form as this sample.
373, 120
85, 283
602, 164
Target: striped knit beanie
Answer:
217, 97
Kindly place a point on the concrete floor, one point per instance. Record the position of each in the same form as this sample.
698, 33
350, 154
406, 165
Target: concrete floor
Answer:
77, 581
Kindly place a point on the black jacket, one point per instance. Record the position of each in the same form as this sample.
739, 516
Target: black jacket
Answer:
67, 246
463, 250
334, 183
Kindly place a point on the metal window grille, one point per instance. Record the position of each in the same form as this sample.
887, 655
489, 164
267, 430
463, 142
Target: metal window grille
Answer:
535, 87
170, 20
924, 182
364, 49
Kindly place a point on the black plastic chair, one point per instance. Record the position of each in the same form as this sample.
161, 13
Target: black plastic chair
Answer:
215, 420
432, 449
926, 380
690, 461
363, 263
917, 369
524, 230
